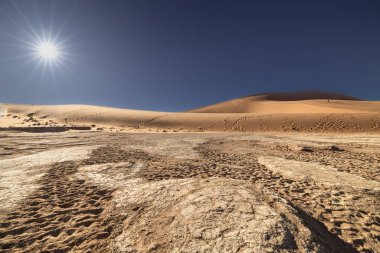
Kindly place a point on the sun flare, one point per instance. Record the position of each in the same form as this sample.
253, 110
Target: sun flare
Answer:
48, 51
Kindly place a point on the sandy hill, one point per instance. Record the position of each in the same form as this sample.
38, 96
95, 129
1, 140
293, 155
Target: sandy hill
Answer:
289, 102
305, 112
304, 95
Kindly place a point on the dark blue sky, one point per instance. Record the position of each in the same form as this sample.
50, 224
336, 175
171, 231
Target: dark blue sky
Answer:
176, 55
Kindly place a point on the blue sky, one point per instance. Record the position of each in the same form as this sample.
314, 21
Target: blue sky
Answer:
177, 55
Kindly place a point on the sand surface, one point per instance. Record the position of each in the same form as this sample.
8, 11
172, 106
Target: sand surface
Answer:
278, 172
273, 112
90, 191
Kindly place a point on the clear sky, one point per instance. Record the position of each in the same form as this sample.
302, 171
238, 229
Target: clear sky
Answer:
177, 55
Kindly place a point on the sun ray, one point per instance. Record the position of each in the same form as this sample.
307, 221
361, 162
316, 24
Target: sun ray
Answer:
43, 46
27, 23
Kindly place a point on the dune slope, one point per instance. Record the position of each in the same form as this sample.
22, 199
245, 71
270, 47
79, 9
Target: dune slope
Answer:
292, 102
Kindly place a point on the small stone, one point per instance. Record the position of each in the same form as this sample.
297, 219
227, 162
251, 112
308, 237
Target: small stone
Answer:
307, 149
335, 148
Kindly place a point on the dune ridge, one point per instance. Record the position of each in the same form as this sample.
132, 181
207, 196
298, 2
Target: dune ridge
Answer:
303, 95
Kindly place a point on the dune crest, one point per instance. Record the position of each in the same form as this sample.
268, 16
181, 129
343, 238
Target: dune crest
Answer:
304, 95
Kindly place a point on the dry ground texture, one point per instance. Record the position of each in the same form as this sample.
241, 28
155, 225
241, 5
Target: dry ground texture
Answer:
189, 192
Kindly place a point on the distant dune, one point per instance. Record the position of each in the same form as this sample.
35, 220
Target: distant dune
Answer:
289, 112
304, 95
290, 102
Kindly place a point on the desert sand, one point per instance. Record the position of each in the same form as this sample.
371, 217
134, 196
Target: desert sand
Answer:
285, 112
276, 173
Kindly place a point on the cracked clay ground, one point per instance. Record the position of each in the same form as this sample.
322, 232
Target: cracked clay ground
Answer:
189, 192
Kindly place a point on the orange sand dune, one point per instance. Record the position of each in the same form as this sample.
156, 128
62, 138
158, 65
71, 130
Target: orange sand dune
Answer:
253, 113
297, 102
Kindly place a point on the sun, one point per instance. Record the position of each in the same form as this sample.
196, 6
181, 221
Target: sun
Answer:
48, 51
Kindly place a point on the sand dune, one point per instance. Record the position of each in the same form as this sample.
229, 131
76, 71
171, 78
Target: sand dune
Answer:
292, 102
270, 112
303, 95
